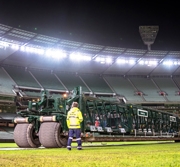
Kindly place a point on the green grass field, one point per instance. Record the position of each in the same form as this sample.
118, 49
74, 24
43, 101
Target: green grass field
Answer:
124, 154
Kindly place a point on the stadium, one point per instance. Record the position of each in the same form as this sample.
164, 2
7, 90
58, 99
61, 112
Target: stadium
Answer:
30, 63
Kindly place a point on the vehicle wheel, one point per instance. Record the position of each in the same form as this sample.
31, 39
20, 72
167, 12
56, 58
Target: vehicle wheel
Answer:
63, 140
25, 137
49, 134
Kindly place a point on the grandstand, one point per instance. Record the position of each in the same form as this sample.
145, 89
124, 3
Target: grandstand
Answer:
30, 62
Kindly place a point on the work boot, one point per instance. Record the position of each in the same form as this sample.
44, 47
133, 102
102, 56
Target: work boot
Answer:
79, 148
69, 148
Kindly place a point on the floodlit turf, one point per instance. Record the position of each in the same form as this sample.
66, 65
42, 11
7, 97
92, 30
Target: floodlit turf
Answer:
124, 155
2, 145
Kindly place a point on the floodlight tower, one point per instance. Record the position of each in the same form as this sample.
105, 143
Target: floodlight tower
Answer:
148, 34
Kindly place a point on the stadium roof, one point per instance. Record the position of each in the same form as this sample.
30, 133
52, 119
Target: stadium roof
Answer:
31, 50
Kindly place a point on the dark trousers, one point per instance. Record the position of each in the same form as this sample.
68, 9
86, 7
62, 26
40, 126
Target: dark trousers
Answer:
72, 133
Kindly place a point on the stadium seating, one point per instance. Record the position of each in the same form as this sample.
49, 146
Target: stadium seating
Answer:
147, 87
124, 88
96, 83
168, 86
47, 80
21, 77
6, 84
132, 88
70, 80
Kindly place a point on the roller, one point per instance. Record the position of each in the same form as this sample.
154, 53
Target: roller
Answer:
21, 120
47, 118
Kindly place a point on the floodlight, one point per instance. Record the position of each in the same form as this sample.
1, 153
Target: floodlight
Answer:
148, 34
28, 49
4, 44
102, 60
132, 62
48, 52
99, 59
22, 48
33, 50
168, 62
141, 62
40, 51
72, 56
75, 56
148, 62
63, 54
87, 58
14, 46
108, 60
153, 62
121, 61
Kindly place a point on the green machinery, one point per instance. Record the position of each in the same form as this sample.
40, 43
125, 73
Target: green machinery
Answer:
43, 123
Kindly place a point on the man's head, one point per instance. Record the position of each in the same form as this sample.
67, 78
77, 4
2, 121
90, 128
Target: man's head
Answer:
74, 104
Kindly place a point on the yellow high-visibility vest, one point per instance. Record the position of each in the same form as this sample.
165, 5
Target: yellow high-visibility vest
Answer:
74, 118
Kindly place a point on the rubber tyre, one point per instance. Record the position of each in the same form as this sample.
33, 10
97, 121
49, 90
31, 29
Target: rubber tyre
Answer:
49, 134
24, 136
63, 140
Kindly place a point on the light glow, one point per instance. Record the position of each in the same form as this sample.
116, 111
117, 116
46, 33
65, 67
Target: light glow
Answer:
79, 57
4, 44
61, 54
148, 62
168, 63
14, 46
121, 61
132, 62
108, 60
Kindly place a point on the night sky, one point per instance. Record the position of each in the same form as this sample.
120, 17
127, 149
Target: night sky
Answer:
101, 22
